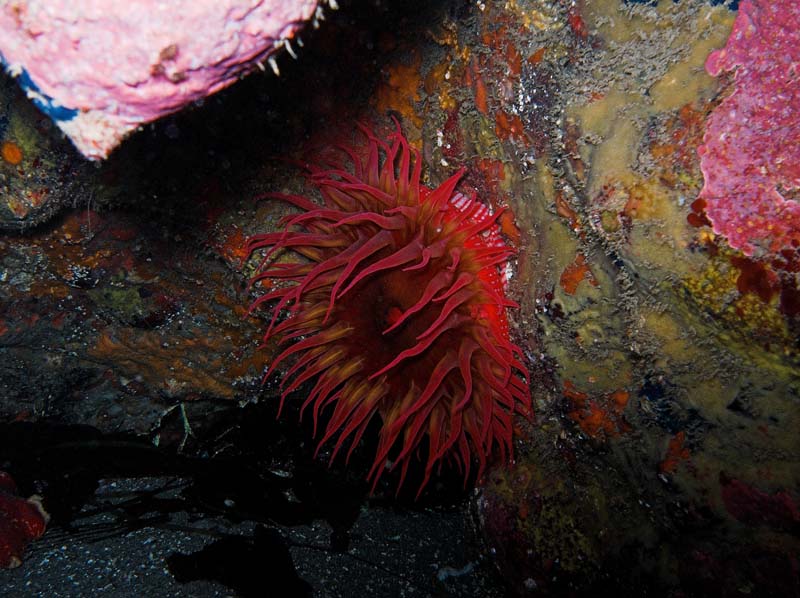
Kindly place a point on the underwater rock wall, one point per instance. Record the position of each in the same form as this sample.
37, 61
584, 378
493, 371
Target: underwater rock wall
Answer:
663, 456
667, 428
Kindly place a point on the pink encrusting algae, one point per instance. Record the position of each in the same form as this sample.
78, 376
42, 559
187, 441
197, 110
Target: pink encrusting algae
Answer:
751, 153
397, 312
102, 68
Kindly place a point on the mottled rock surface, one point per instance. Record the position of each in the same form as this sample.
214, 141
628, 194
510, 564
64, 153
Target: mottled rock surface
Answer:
664, 457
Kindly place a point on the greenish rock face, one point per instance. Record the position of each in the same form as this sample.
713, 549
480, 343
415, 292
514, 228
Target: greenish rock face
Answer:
124, 305
39, 172
668, 360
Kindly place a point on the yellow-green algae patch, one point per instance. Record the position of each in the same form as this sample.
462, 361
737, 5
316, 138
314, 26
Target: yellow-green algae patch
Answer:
686, 81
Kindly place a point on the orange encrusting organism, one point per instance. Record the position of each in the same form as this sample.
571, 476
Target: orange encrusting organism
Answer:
397, 311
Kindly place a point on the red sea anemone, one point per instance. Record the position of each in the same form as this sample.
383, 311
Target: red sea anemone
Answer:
21, 521
397, 311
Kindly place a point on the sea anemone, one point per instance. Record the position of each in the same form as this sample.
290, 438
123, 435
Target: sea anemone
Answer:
397, 311
21, 522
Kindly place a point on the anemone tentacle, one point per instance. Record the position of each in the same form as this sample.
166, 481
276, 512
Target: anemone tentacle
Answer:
396, 311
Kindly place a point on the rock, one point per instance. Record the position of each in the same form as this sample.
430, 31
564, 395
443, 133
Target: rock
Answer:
102, 69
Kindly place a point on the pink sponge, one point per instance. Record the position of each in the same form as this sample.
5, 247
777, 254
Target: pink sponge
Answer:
101, 68
751, 153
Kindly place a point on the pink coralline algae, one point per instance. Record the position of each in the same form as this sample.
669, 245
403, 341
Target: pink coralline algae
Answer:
751, 153
21, 522
102, 68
